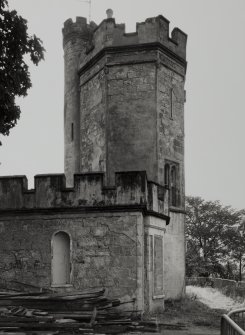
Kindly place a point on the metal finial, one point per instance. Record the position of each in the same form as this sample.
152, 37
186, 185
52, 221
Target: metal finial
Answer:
109, 13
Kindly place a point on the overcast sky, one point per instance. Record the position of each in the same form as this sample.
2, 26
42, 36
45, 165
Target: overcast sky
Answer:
215, 85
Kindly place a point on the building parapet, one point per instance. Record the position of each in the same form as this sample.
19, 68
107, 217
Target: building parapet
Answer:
110, 34
131, 189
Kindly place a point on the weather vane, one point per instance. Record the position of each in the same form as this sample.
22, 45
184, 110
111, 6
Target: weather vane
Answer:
89, 3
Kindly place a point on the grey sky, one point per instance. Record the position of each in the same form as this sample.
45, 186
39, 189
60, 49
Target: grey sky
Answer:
215, 85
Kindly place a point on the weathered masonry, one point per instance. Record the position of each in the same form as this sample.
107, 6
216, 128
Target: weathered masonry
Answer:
115, 219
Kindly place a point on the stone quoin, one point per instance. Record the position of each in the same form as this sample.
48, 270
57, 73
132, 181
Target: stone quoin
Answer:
115, 218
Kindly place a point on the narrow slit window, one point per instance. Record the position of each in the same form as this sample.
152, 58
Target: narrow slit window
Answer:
173, 187
172, 103
72, 132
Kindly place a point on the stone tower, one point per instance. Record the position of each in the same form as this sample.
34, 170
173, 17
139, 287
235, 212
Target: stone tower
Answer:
124, 101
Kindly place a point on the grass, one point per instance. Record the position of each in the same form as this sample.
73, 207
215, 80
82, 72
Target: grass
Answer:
190, 312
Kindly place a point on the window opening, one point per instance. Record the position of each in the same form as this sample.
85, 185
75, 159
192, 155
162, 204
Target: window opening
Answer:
172, 103
166, 175
173, 186
61, 266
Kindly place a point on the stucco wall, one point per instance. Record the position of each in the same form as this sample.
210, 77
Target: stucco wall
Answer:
174, 257
106, 251
154, 263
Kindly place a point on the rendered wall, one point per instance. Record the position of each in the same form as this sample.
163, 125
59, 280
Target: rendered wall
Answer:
154, 263
106, 251
174, 257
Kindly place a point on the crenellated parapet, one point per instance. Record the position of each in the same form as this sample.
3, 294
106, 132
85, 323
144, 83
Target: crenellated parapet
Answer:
131, 189
78, 29
152, 30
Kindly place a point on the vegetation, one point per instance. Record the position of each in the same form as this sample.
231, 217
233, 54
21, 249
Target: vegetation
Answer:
188, 313
215, 239
15, 43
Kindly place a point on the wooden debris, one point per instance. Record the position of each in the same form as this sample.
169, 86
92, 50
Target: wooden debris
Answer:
51, 313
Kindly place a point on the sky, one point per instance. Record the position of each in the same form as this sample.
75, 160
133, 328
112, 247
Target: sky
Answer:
215, 86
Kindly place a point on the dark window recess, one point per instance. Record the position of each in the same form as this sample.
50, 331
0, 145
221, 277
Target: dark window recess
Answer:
166, 175
72, 132
172, 103
172, 182
173, 189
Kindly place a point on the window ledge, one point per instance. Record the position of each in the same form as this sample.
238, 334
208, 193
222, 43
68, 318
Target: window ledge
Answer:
61, 285
160, 296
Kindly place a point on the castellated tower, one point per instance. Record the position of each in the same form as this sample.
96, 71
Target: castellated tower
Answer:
116, 218
127, 113
124, 111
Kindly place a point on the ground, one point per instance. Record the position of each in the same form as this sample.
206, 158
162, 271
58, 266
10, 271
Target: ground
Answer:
189, 317
198, 313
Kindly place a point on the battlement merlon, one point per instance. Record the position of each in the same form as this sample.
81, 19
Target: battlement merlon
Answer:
78, 29
131, 189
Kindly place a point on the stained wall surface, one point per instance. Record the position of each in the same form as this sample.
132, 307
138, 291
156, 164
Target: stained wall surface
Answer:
131, 98
170, 111
106, 251
93, 124
174, 257
131, 119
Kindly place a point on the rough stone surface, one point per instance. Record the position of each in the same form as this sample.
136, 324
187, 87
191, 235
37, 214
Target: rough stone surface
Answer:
131, 190
106, 250
131, 100
171, 125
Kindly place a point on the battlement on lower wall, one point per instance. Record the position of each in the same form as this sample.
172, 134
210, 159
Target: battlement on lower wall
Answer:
131, 189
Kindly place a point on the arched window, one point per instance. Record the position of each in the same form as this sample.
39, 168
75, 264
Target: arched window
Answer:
173, 190
61, 268
166, 175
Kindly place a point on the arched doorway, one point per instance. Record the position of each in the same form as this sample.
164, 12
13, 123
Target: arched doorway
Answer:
61, 267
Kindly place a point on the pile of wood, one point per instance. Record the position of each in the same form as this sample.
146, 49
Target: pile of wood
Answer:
50, 313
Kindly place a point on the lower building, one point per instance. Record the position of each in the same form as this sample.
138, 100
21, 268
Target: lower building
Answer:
92, 236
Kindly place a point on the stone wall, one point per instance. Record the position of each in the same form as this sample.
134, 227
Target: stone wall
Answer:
106, 251
170, 111
125, 84
76, 36
152, 30
93, 124
232, 288
131, 190
131, 119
